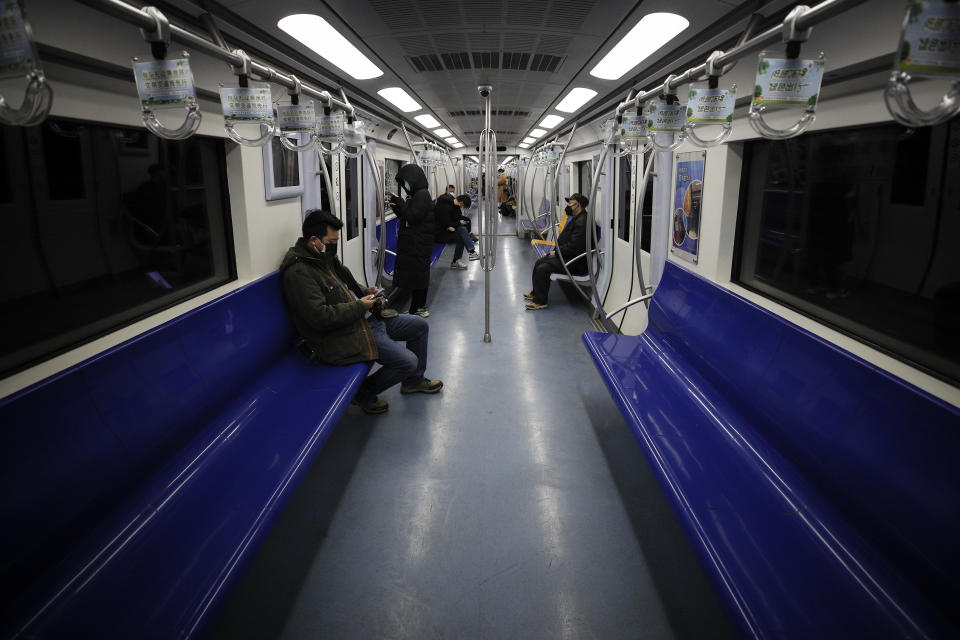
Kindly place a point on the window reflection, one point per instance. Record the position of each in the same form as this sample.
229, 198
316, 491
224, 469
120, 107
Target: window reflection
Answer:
855, 227
80, 261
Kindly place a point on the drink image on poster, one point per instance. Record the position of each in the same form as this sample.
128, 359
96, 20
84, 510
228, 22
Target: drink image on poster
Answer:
691, 207
688, 205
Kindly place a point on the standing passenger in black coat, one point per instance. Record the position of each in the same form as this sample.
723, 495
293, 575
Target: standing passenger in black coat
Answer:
414, 236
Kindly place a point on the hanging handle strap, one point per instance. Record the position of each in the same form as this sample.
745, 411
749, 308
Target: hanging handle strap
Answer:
243, 76
669, 98
159, 40
793, 38
714, 71
286, 141
38, 96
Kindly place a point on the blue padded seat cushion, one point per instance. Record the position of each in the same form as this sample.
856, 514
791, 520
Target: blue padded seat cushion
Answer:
781, 467
155, 466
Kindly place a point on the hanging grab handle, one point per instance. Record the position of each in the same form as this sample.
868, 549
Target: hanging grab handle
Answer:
667, 117
268, 123
178, 79
38, 96
814, 72
286, 141
910, 58
714, 71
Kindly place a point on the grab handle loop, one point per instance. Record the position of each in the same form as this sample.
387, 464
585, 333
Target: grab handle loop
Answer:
268, 124
38, 95
668, 120
287, 138
812, 70
910, 58
714, 70
165, 84
336, 140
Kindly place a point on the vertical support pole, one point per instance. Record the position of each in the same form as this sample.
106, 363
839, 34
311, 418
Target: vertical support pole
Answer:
486, 204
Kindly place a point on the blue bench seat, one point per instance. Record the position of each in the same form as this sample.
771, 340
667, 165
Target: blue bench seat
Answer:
148, 475
391, 247
820, 492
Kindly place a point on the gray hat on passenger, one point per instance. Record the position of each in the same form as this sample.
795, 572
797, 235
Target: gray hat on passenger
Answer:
579, 197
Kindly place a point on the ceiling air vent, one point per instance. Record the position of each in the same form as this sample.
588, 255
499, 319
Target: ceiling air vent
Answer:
543, 62
460, 60
486, 60
429, 62
516, 61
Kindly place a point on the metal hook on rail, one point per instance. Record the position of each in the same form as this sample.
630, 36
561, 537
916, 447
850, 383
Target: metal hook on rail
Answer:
243, 72
285, 140
897, 96
714, 71
159, 40
793, 37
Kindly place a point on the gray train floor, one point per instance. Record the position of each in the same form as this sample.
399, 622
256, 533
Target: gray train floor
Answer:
513, 504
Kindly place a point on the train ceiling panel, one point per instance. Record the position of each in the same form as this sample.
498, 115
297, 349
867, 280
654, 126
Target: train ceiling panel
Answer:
531, 51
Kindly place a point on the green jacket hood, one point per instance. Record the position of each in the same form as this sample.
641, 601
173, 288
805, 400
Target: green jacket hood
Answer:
298, 252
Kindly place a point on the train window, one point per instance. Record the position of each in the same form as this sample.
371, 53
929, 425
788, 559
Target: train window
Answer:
853, 227
584, 177
625, 205
82, 261
352, 201
646, 215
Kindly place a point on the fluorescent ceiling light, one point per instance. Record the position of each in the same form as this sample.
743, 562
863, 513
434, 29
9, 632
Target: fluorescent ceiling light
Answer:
428, 121
551, 121
523, 145
451, 140
400, 99
442, 133
577, 97
475, 158
536, 133
529, 140
652, 32
457, 145
318, 35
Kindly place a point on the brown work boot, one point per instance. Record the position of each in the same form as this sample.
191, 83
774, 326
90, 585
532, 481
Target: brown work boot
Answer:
424, 386
372, 405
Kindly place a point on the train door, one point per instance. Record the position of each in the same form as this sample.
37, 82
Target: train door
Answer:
371, 209
623, 276
603, 213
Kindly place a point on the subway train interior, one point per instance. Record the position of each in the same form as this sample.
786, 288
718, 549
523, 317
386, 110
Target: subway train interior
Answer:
690, 296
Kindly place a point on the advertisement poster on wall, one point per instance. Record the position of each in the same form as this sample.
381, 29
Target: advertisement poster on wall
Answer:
687, 204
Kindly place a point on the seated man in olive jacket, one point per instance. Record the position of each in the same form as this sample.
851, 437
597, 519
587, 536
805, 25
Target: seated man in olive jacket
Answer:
571, 243
331, 313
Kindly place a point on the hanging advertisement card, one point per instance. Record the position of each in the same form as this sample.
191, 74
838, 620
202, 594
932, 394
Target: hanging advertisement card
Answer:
331, 126
296, 117
16, 49
687, 204
633, 127
165, 83
930, 38
711, 106
246, 104
665, 117
788, 81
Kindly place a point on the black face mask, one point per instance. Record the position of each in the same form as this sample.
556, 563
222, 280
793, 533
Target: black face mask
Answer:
568, 210
330, 249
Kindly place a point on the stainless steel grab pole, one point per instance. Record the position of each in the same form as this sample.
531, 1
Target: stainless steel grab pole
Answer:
487, 182
381, 217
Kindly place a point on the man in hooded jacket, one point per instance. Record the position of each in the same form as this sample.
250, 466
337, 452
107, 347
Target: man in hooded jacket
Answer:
331, 313
414, 236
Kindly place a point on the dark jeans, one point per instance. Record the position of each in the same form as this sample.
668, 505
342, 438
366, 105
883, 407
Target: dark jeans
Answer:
463, 240
542, 269
400, 364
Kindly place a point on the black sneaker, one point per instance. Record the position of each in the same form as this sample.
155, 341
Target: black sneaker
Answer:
424, 386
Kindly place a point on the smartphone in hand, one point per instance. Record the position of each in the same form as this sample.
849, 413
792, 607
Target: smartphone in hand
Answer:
380, 293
